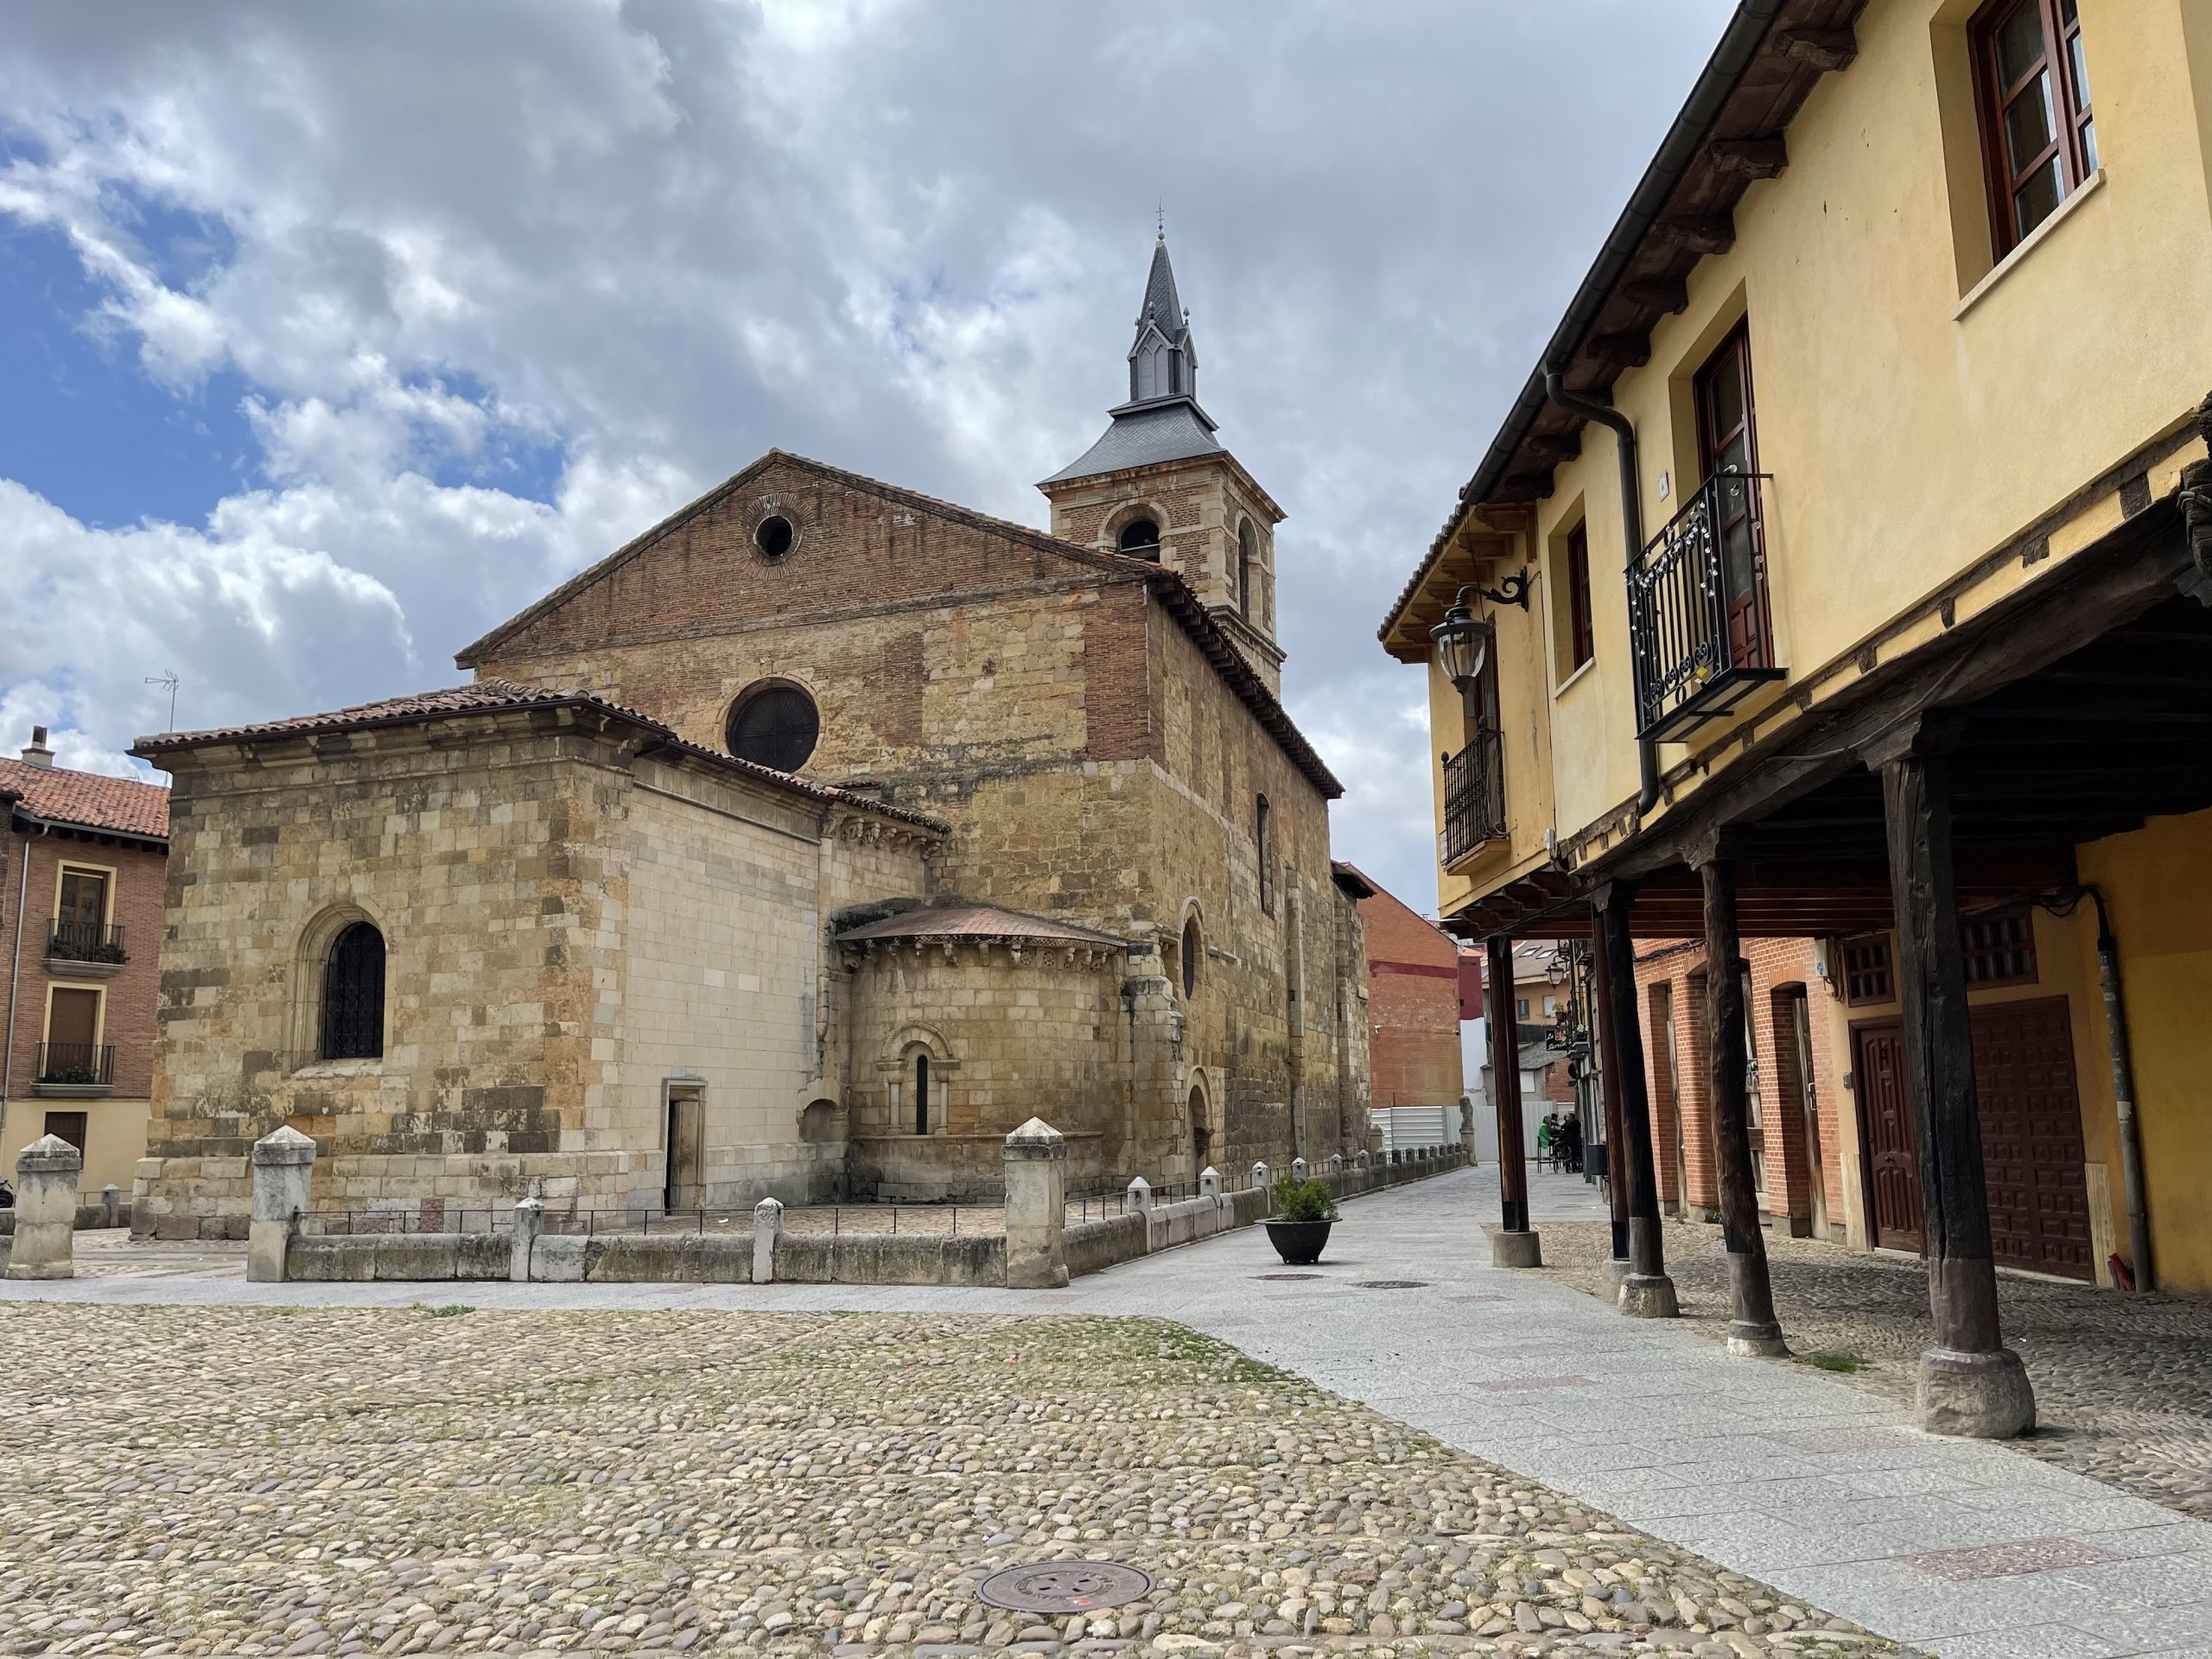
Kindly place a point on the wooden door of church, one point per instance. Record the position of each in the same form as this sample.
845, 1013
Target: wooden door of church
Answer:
1890, 1155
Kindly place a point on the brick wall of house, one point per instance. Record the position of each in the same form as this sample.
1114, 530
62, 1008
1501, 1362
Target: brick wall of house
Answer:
1413, 1008
116, 1123
1683, 1141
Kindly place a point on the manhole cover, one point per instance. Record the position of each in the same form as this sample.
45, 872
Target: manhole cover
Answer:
1393, 1284
1277, 1276
1066, 1587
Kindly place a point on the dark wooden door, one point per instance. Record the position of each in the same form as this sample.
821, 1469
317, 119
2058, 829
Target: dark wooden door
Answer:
687, 1149
1890, 1156
2031, 1137
1728, 445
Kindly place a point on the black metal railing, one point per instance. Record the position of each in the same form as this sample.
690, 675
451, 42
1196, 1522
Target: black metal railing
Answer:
1474, 797
1698, 629
76, 941
77, 1063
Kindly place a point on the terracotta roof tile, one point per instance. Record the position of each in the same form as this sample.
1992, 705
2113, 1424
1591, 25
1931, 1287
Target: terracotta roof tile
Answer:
496, 696
976, 922
90, 800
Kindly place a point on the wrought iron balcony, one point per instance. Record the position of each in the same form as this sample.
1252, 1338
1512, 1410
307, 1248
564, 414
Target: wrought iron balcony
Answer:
79, 1065
1700, 636
75, 941
1474, 799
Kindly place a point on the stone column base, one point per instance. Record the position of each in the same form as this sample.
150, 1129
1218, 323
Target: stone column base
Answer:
1648, 1296
1984, 1397
1517, 1249
1756, 1341
1616, 1271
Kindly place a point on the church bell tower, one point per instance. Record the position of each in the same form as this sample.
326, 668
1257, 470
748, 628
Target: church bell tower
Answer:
1159, 485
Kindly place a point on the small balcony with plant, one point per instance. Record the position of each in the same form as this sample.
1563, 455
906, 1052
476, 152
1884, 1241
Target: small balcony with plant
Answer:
1700, 638
82, 950
75, 1071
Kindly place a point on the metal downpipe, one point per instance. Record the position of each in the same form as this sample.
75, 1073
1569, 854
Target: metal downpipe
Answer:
2123, 1089
1623, 431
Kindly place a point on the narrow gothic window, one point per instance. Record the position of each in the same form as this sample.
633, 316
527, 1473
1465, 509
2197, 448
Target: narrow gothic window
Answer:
921, 1094
1190, 948
352, 995
1263, 846
1142, 538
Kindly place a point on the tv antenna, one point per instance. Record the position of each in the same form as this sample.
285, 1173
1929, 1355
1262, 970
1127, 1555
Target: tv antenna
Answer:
170, 680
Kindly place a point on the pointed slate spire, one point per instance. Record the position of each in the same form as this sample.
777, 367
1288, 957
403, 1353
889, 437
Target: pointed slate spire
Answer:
1162, 420
1163, 361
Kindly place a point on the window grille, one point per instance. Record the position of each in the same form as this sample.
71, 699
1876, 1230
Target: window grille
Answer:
352, 995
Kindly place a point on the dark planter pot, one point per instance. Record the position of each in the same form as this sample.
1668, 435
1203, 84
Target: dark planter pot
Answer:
1299, 1242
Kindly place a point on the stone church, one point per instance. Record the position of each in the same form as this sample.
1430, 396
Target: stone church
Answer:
805, 845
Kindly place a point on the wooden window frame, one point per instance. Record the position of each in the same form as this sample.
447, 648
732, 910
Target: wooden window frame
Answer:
1853, 975
1990, 951
1581, 633
2072, 117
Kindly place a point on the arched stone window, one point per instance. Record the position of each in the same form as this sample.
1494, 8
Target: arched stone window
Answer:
352, 995
1192, 946
918, 1073
1140, 539
1248, 567
775, 724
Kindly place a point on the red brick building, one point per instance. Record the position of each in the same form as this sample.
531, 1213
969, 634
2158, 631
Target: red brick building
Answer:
1795, 1084
1413, 1001
82, 864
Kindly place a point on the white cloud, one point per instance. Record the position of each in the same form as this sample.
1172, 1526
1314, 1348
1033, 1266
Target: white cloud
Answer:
507, 281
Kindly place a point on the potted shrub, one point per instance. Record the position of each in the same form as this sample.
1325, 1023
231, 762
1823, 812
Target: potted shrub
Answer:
1304, 1212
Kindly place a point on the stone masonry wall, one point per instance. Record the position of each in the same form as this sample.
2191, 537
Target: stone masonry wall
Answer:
562, 936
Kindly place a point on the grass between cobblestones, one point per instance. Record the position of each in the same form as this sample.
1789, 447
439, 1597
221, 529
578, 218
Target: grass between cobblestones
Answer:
294, 1481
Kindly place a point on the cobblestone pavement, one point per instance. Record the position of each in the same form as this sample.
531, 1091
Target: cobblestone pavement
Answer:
241, 1480
2123, 1383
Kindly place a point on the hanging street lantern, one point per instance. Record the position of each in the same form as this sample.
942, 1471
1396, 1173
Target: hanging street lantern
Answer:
1463, 639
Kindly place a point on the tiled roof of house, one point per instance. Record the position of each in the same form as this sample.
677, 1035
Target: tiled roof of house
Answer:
976, 922
497, 697
88, 800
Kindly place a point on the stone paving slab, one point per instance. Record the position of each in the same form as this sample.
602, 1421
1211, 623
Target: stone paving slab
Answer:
1731, 1426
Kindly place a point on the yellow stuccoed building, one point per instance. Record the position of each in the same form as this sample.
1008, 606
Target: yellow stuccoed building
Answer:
1863, 504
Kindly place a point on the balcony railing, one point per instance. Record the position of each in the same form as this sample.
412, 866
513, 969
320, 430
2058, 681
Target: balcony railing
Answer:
1699, 633
1474, 799
87, 1065
75, 941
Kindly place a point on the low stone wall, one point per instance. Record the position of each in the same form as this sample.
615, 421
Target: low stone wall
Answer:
412, 1258
108, 1213
811, 1259
768, 1254
1094, 1246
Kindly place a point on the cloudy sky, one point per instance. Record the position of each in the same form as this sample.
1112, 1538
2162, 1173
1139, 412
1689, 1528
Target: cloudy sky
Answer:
331, 334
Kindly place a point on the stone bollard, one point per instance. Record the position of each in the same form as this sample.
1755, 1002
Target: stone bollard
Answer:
46, 1210
1036, 1207
283, 1167
1210, 1182
530, 1222
110, 1205
1260, 1176
1336, 1165
1297, 1169
767, 1228
1140, 1195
